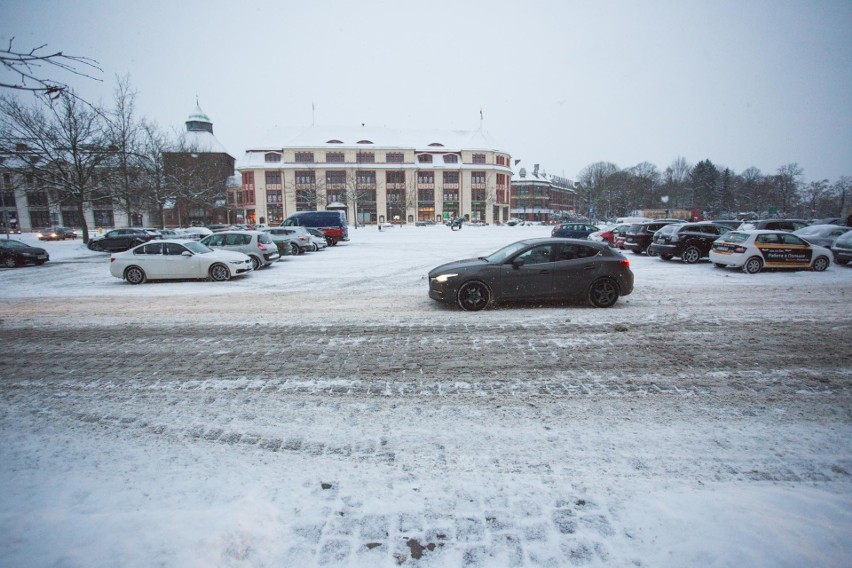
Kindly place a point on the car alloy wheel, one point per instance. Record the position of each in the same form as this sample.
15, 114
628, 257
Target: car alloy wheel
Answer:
603, 293
753, 265
691, 255
219, 273
294, 249
474, 296
255, 263
9, 262
134, 275
821, 263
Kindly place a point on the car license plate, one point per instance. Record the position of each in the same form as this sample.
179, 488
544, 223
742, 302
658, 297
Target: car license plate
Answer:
42, 256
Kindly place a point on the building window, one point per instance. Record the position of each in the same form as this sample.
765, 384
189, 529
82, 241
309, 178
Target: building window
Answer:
37, 199
273, 178
426, 195
366, 180
8, 199
426, 178
103, 218
334, 157
335, 180
273, 197
364, 142
248, 179
451, 178
39, 219
477, 195
71, 218
271, 157
425, 158
478, 159
365, 157
477, 178
305, 178
304, 157
395, 178
394, 157
451, 159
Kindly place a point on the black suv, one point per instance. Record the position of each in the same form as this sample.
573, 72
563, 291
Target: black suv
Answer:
119, 240
638, 236
689, 241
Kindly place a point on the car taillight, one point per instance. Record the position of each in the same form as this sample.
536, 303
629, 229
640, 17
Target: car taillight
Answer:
112, 259
625, 262
302, 237
739, 250
261, 247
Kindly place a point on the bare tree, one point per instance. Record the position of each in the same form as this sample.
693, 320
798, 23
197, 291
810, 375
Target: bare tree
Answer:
153, 184
124, 134
26, 68
594, 180
62, 144
786, 184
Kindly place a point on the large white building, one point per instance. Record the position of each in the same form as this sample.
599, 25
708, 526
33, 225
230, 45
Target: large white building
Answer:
377, 175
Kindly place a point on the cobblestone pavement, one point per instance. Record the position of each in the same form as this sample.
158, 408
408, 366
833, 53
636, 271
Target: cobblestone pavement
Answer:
245, 394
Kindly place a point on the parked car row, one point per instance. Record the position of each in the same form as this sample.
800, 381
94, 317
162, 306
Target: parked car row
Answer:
218, 256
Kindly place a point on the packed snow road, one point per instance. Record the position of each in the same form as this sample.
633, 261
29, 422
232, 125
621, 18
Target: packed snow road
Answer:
325, 412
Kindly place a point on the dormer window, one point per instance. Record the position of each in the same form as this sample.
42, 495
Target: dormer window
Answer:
334, 142
304, 157
436, 145
364, 142
425, 158
451, 159
271, 157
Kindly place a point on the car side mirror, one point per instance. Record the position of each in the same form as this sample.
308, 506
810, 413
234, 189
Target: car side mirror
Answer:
186, 253
518, 262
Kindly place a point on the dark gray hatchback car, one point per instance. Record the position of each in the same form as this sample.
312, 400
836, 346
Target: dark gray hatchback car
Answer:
534, 270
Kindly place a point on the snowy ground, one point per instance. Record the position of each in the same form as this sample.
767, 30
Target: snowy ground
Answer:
324, 411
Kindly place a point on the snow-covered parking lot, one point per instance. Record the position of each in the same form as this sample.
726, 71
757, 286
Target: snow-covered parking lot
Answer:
326, 412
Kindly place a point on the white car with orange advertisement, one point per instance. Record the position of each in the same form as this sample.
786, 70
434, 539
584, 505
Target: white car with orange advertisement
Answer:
755, 250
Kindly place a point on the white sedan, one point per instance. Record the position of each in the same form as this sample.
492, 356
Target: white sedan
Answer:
754, 250
166, 260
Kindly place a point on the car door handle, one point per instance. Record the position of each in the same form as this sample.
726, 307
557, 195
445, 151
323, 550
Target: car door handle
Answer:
589, 267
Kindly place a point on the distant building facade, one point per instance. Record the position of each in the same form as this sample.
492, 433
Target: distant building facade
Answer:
376, 175
199, 172
537, 196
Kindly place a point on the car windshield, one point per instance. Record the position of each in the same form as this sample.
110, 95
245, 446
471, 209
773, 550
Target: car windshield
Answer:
197, 247
734, 237
504, 253
812, 230
844, 239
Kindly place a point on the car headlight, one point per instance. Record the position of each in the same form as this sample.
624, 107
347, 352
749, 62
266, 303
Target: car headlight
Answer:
441, 278
237, 262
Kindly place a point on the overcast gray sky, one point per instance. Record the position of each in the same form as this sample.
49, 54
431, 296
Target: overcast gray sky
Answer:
561, 83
